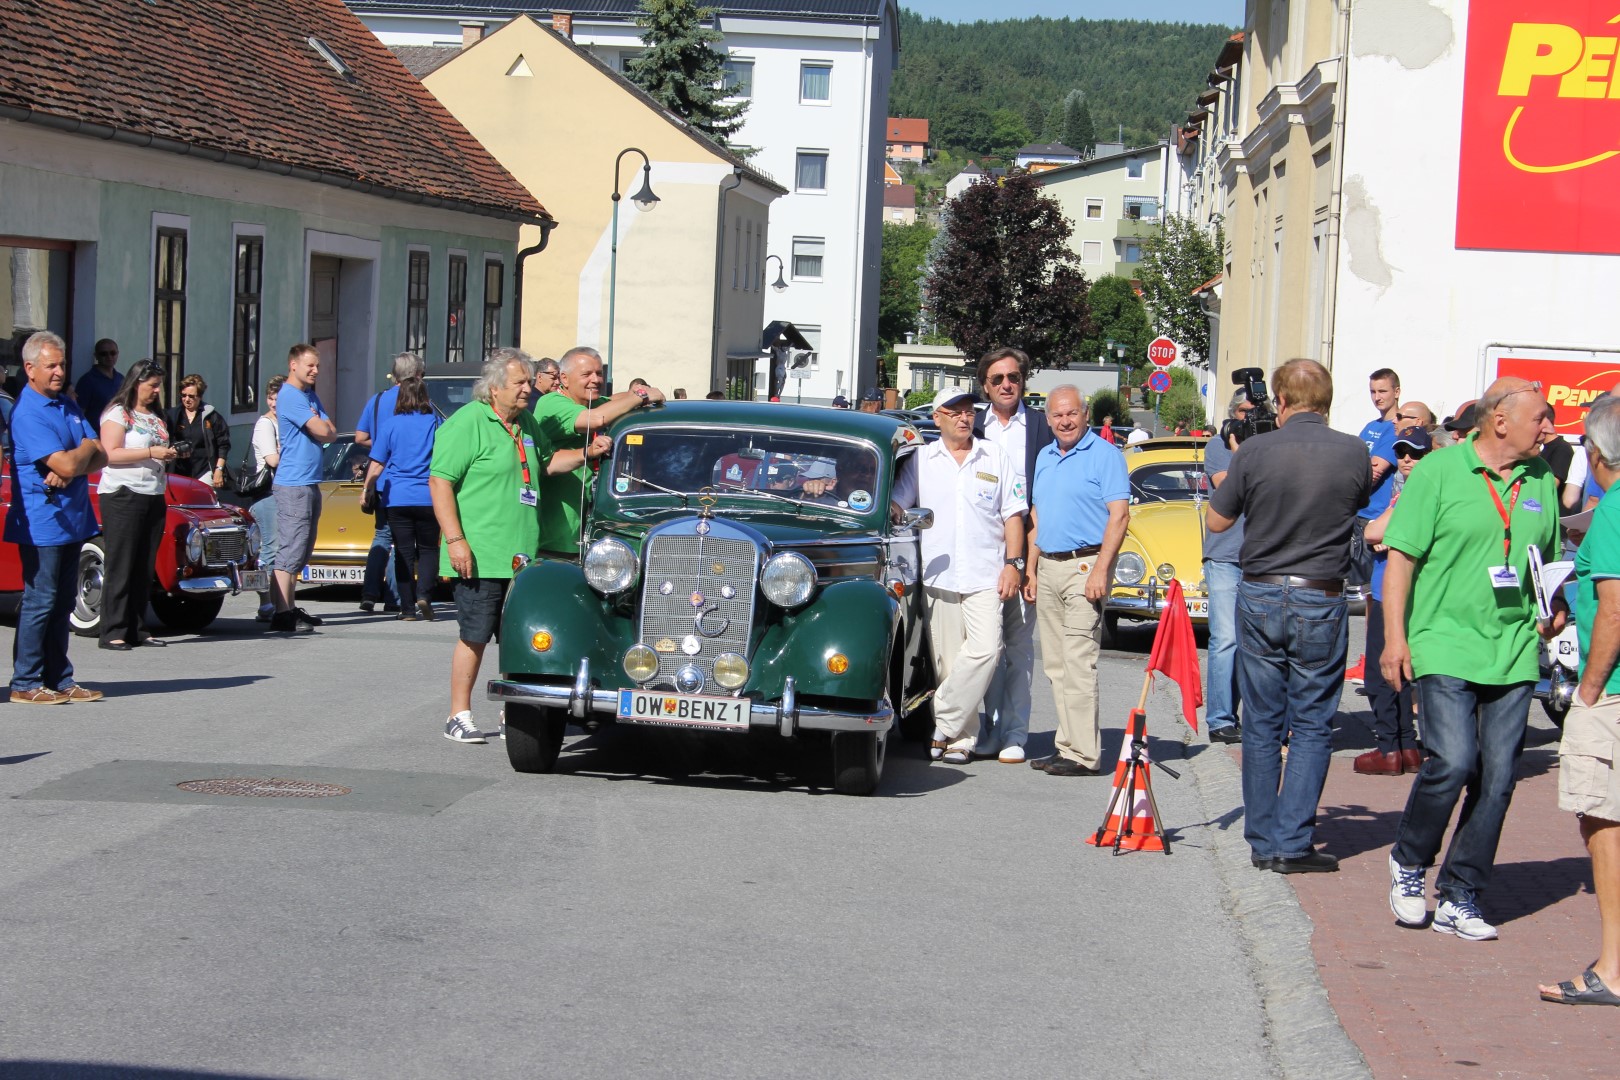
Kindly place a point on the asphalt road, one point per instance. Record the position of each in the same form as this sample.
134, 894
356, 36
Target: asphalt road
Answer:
653, 910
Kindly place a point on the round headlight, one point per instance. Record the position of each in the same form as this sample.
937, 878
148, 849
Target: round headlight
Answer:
1166, 572
610, 566
640, 663
1129, 568
255, 540
194, 546
788, 579
730, 670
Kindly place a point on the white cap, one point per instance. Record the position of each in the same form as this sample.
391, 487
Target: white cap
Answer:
950, 397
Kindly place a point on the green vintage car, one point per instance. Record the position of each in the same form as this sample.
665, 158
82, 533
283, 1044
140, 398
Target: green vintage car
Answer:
742, 574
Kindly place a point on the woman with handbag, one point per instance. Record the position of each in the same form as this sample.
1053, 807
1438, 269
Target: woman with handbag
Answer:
263, 457
400, 457
201, 425
132, 504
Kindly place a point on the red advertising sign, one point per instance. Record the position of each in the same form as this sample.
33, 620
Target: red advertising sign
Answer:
1568, 385
1540, 161
1163, 352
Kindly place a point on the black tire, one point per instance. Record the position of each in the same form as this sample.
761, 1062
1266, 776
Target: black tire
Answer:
1110, 629
857, 760
86, 614
534, 737
187, 614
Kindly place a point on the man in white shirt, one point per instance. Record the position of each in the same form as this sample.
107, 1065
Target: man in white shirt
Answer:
1021, 433
972, 562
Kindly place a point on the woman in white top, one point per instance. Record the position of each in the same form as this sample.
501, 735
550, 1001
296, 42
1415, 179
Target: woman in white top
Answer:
132, 503
267, 455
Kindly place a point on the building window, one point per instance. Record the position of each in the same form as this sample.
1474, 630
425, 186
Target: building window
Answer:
815, 82
739, 79
1133, 169
455, 329
1141, 208
626, 59
811, 171
34, 280
245, 324
807, 255
169, 307
812, 335
1133, 252
1094, 209
494, 286
416, 301
1091, 251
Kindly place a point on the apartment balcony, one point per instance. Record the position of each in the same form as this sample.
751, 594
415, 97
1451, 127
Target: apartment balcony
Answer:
1135, 228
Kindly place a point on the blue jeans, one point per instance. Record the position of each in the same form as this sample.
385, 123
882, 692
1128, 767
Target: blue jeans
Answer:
378, 585
1291, 658
1474, 735
50, 586
1221, 703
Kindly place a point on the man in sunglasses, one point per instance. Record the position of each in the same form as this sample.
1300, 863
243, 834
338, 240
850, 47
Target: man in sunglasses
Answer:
1021, 433
100, 384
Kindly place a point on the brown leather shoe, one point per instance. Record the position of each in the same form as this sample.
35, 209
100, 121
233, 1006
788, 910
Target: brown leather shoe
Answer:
75, 695
37, 696
1412, 759
1377, 763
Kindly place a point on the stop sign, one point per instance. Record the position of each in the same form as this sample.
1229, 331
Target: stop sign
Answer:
1163, 351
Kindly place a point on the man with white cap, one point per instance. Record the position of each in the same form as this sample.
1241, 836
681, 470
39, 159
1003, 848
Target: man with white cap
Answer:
972, 561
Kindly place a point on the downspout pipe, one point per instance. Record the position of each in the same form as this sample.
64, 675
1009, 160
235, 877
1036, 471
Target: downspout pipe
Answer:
517, 280
715, 372
1330, 296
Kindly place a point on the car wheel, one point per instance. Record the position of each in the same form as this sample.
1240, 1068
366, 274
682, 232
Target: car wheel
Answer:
1110, 630
86, 614
534, 737
918, 724
187, 614
857, 759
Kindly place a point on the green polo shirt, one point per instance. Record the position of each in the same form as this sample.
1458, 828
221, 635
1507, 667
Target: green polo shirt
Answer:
1598, 558
1456, 622
562, 495
474, 451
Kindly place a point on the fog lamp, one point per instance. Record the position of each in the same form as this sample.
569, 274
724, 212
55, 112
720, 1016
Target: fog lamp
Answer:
1166, 572
541, 641
640, 663
730, 670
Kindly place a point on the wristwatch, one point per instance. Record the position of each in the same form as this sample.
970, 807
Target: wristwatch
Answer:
1017, 564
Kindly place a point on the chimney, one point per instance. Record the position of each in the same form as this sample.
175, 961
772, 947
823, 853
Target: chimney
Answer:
471, 34
563, 23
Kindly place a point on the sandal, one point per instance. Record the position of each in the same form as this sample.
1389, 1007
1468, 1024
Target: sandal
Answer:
1594, 994
959, 756
936, 748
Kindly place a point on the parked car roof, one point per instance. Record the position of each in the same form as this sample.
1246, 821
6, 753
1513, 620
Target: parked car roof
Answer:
816, 419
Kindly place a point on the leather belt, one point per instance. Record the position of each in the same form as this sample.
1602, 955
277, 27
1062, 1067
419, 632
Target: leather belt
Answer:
1077, 553
1331, 586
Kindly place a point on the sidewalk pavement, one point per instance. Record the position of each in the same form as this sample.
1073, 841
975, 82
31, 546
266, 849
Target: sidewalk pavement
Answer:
1421, 1004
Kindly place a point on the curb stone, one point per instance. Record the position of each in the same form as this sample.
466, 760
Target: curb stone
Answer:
1307, 1040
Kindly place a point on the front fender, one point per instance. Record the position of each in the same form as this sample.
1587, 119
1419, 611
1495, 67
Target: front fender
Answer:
857, 618
553, 596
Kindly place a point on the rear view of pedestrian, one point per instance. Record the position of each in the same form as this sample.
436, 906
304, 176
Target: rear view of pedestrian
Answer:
400, 459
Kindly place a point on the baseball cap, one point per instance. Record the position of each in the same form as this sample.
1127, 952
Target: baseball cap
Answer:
840, 402
872, 395
1417, 439
1467, 418
950, 397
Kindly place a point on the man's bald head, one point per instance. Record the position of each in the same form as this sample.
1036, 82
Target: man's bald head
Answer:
1511, 393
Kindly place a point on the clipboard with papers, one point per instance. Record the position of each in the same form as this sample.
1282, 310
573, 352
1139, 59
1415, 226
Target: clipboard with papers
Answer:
1548, 578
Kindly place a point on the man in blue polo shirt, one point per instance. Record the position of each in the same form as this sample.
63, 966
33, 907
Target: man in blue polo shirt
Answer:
378, 585
53, 448
1081, 506
304, 427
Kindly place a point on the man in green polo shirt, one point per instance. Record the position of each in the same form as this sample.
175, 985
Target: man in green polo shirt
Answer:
1459, 577
488, 460
568, 417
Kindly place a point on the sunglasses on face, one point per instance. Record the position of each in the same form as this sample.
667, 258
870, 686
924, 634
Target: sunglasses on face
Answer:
105, 352
1011, 376
1406, 452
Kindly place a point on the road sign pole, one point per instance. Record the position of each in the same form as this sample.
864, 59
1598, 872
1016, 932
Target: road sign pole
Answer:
1158, 400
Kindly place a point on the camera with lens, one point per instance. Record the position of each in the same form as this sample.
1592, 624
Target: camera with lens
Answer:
181, 448
1261, 418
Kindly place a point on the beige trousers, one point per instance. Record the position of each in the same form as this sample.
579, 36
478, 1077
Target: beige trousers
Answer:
964, 635
1070, 644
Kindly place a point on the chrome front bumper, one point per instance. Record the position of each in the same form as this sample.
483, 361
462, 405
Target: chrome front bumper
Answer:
1148, 606
787, 716
233, 580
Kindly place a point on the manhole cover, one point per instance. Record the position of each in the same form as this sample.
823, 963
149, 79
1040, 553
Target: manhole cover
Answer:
258, 787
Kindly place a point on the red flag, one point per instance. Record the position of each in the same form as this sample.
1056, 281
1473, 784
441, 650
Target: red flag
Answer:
1176, 653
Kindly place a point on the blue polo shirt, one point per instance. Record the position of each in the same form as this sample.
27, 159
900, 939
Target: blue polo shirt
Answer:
1379, 435
374, 417
405, 451
40, 427
1072, 492
95, 390
300, 464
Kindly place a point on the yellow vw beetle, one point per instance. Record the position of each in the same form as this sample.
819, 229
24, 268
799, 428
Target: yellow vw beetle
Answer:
1165, 542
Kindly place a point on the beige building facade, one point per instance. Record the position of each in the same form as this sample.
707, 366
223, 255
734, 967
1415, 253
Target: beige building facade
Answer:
687, 302
1115, 202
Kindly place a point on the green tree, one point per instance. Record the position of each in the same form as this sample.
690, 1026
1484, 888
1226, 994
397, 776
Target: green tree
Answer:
964, 124
1056, 117
1002, 273
1079, 133
1106, 403
1178, 257
1117, 315
905, 249
1008, 133
682, 70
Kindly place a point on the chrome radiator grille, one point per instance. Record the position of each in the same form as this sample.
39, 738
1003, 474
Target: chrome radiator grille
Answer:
221, 546
701, 566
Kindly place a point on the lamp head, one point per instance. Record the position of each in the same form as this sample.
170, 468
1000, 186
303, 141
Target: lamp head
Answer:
779, 284
644, 199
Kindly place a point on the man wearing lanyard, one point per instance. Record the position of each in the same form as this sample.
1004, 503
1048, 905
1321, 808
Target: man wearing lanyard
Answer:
487, 461
1458, 577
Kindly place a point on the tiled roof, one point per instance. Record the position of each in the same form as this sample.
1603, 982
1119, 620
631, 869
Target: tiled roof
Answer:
903, 196
904, 130
238, 81
1048, 148
838, 10
424, 60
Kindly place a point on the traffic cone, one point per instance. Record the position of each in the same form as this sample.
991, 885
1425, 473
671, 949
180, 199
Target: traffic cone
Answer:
1143, 834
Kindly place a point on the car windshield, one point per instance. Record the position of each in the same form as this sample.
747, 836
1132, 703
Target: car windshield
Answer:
450, 392
815, 470
343, 462
1172, 481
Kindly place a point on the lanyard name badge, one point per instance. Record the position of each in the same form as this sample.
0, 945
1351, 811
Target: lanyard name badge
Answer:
526, 494
1505, 576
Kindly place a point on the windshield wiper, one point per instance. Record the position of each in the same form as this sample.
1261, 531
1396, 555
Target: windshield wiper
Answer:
681, 495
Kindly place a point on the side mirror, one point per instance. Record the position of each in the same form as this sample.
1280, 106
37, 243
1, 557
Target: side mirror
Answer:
918, 518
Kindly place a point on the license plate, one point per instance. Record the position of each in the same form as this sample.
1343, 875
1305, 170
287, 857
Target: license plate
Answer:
1198, 607
683, 710
349, 575
255, 580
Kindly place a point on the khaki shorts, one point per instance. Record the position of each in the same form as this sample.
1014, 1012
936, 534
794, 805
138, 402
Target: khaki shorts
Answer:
1587, 781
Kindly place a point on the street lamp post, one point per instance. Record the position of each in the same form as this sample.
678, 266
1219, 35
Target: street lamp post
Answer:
645, 200
779, 284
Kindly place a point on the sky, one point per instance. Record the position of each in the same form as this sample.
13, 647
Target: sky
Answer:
1224, 12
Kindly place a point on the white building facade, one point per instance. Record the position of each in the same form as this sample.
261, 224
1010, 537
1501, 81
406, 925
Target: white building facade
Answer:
816, 75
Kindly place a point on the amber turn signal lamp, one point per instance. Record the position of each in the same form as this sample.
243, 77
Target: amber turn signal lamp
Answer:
541, 641
837, 663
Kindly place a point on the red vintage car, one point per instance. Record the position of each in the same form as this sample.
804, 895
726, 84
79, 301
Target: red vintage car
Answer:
207, 551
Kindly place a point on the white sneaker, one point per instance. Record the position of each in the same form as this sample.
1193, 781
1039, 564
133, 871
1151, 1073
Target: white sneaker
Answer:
1011, 755
1462, 918
1407, 894
459, 728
